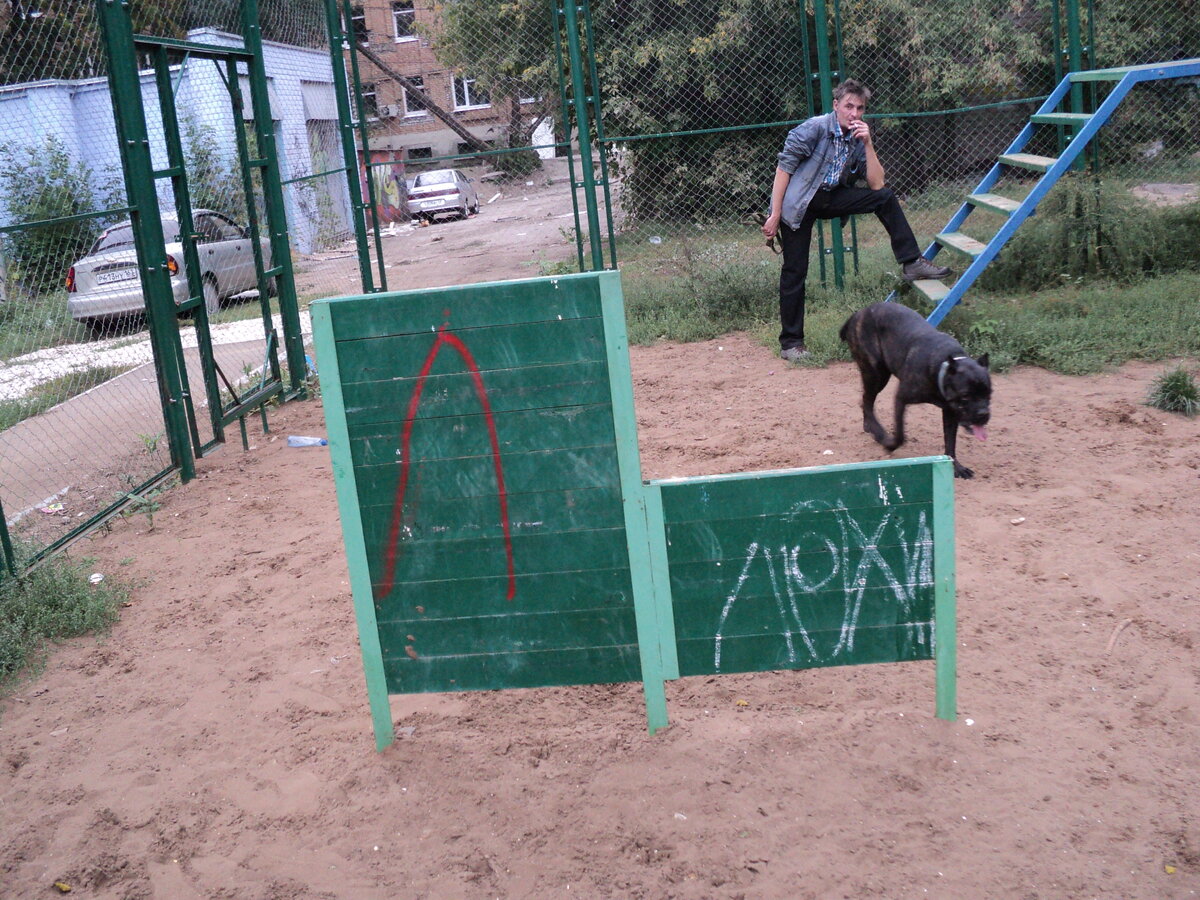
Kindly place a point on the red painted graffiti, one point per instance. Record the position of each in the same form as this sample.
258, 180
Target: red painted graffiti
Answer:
444, 338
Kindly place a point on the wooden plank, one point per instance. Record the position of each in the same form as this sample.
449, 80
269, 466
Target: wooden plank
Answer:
535, 592
996, 203
792, 491
491, 349
600, 548
747, 610
1028, 161
774, 652
540, 511
471, 672
946, 629
1061, 118
466, 306
730, 540
530, 387
513, 632
452, 437
931, 288
963, 243
441, 479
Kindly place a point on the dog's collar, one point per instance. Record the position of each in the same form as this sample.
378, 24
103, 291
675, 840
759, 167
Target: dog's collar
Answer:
941, 379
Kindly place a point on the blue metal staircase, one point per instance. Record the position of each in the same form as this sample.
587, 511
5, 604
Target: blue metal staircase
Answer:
1085, 127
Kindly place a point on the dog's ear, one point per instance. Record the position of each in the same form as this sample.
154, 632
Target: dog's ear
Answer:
983, 360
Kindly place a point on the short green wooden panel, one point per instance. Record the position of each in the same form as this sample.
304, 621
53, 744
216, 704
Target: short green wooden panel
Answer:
564, 551
779, 651
452, 437
796, 492
732, 539
501, 303
492, 349
537, 387
513, 632
545, 668
759, 609
535, 592
476, 517
441, 479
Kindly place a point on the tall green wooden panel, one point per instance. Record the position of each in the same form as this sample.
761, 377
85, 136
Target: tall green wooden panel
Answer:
806, 568
475, 440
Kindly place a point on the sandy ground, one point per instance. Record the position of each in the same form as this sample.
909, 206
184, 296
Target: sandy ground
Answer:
218, 744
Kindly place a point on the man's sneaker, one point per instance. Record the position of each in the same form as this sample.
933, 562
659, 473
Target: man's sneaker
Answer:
794, 354
923, 268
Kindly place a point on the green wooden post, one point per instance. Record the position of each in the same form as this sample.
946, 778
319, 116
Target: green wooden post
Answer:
944, 616
637, 528
352, 528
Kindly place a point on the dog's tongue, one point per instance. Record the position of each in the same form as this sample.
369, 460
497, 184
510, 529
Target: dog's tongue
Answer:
979, 431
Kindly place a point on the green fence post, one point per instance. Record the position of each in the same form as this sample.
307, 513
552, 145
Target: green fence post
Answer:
580, 102
116, 28
341, 92
272, 188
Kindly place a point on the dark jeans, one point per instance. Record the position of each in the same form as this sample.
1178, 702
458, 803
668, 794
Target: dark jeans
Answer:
838, 203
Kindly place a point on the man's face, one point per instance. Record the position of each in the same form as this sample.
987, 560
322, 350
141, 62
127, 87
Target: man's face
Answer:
849, 110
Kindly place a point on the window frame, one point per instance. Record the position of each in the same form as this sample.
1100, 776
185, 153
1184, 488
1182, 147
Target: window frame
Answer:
410, 113
466, 82
406, 9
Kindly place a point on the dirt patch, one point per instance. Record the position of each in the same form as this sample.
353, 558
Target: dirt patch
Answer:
1167, 194
218, 744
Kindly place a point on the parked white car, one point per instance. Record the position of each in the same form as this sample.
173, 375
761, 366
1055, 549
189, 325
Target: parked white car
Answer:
441, 192
104, 285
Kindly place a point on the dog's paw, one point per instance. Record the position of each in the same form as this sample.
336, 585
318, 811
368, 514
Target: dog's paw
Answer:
961, 471
891, 443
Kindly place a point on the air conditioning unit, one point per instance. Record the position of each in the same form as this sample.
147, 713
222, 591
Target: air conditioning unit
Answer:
390, 111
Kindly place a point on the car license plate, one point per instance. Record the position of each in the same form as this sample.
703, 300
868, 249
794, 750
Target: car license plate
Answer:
116, 275
429, 203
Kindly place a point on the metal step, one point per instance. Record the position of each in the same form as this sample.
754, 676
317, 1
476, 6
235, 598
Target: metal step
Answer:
931, 288
964, 244
1028, 161
994, 203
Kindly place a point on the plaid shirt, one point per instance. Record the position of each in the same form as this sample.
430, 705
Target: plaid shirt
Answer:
842, 145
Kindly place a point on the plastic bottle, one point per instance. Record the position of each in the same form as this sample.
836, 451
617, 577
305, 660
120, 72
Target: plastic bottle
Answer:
300, 440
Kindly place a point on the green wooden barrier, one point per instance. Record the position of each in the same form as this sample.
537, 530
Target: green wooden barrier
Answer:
499, 535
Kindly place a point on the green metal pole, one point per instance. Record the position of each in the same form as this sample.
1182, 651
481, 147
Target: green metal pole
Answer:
599, 119
579, 100
1075, 53
272, 188
556, 14
825, 75
116, 30
10, 558
364, 142
337, 40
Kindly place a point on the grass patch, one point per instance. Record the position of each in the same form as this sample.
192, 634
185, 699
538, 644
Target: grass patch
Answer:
53, 602
1175, 391
29, 323
50, 393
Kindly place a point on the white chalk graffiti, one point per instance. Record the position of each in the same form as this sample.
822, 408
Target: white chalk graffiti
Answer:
856, 559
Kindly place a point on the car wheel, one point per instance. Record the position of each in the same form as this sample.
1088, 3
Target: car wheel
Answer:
475, 209
212, 298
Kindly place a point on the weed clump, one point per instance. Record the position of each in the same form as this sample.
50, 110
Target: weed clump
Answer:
1175, 391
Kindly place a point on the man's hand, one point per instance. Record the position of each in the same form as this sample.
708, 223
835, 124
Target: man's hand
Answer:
861, 130
770, 226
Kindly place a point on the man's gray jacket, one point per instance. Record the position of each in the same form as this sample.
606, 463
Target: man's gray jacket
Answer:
806, 155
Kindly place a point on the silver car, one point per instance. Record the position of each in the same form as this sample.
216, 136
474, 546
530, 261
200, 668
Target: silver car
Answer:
443, 191
104, 285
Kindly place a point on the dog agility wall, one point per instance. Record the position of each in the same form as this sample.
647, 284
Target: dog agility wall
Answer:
499, 534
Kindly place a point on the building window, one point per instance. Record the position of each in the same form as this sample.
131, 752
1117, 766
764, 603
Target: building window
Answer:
358, 24
370, 102
420, 153
403, 16
467, 94
414, 101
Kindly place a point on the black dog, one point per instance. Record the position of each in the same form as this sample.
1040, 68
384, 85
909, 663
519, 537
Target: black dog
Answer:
888, 339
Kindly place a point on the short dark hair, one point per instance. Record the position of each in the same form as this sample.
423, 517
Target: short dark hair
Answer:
850, 86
